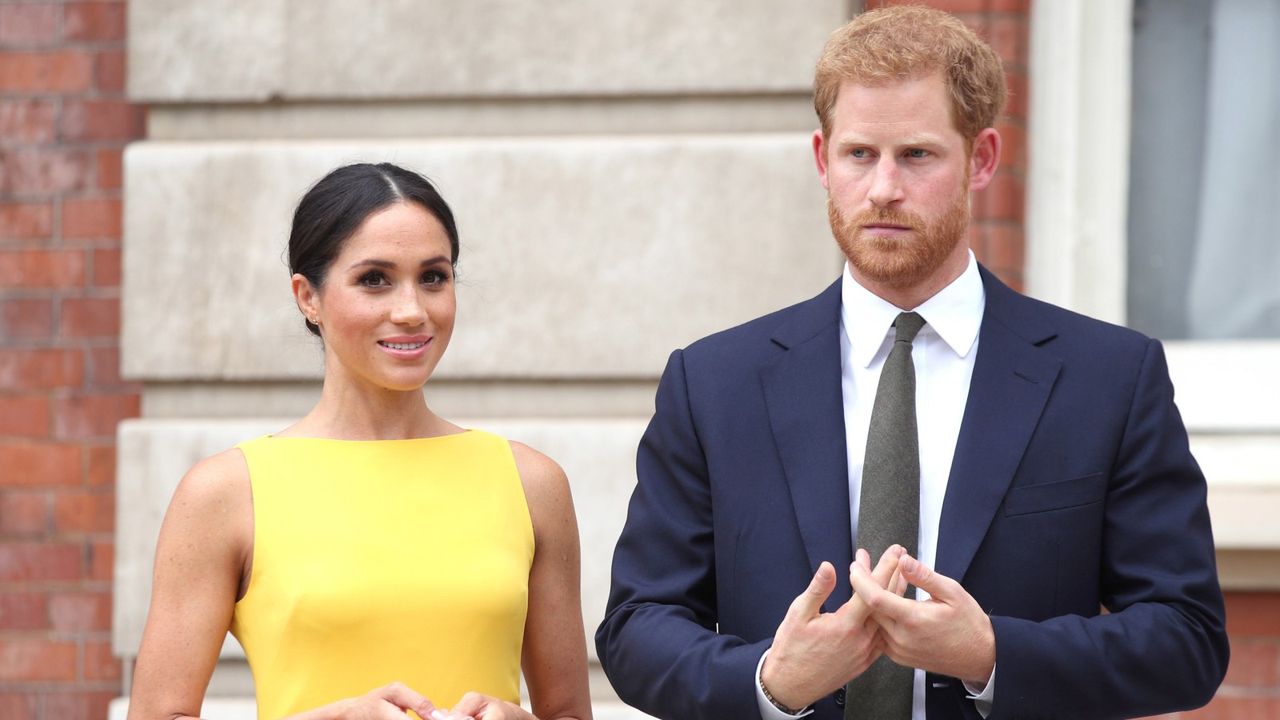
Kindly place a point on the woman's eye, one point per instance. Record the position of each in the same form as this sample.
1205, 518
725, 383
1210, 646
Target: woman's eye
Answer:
373, 279
434, 278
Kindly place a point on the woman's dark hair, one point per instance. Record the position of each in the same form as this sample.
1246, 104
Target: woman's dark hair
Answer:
334, 208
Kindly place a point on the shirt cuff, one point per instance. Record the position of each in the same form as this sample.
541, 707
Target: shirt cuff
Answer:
769, 711
982, 698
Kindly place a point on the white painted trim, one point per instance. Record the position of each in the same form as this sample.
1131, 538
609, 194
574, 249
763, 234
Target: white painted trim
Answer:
1077, 187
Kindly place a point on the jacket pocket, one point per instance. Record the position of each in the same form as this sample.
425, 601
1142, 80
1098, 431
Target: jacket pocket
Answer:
1059, 495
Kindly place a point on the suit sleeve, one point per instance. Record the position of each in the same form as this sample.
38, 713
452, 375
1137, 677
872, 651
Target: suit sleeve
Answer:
1163, 644
658, 641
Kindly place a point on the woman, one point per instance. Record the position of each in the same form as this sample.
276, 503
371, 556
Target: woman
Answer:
373, 558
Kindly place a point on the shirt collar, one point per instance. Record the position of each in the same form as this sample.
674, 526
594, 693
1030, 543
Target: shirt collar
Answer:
954, 314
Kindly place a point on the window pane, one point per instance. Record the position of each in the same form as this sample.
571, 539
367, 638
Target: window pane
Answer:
1204, 223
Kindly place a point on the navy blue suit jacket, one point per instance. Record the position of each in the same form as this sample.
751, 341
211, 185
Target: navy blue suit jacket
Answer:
1072, 489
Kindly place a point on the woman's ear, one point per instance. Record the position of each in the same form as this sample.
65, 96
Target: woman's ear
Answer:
308, 299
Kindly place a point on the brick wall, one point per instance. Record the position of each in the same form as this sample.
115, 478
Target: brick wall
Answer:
63, 125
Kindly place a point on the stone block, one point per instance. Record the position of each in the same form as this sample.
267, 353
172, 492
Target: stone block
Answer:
582, 258
321, 49
597, 454
217, 50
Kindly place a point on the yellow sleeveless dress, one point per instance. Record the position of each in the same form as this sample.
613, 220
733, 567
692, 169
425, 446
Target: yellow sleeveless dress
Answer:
378, 561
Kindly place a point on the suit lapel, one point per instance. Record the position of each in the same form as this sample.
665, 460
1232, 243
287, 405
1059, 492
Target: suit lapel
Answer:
1012, 379
806, 413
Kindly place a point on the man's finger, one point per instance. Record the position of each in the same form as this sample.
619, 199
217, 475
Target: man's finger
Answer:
888, 565
879, 601
940, 587
809, 603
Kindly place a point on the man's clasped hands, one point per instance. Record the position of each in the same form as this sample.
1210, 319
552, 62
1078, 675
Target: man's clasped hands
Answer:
815, 653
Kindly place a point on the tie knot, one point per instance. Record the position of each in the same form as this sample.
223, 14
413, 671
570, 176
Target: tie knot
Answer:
906, 326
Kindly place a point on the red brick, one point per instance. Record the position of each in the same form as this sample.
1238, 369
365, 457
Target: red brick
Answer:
92, 416
1010, 6
1016, 107
26, 121
104, 369
24, 416
41, 268
84, 512
106, 268
1002, 199
1254, 664
29, 25
23, 611
70, 612
1253, 613
109, 71
1226, 707
23, 514
1013, 147
25, 319
43, 464
102, 560
102, 120
94, 21
99, 662
44, 171
1008, 37
19, 706
110, 169
41, 369
101, 470
23, 221
91, 218
1004, 246
29, 561
24, 658
53, 71
66, 705
90, 317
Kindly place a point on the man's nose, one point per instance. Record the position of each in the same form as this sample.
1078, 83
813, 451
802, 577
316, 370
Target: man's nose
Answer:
886, 183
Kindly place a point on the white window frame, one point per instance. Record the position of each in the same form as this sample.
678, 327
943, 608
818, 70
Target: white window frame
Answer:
1077, 213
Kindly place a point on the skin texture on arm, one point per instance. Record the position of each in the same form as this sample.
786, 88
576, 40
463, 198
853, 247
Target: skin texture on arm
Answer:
201, 568
555, 654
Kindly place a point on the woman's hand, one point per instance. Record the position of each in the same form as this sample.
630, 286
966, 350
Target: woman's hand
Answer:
385, 703
474, 706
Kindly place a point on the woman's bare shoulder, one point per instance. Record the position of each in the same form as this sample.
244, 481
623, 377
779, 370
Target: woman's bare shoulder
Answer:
215, 495
546, 487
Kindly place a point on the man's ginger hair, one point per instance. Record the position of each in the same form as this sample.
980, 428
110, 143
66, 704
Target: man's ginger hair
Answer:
907, 42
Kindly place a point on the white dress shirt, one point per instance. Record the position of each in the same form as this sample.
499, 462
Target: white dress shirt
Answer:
943, 354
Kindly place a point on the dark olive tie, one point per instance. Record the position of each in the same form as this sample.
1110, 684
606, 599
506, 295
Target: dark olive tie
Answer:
889, 511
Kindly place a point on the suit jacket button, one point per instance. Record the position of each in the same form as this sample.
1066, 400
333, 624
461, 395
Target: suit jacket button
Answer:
840, 697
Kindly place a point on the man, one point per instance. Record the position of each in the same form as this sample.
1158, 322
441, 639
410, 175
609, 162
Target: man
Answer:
1023, 468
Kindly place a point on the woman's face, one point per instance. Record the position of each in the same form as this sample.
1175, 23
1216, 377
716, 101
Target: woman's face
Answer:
387, 305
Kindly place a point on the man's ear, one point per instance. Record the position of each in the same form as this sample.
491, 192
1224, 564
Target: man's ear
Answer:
820, 156
984, 159
308, 299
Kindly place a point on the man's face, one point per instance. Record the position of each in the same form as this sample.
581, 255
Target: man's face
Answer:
897, 176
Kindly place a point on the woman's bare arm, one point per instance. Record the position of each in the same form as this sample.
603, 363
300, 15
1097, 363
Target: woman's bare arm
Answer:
201, 562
